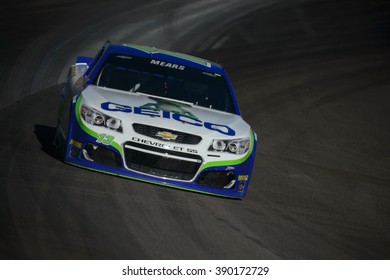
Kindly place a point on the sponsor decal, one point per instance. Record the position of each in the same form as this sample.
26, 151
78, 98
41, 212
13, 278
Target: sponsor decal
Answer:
242, 177
157, 113
75, 143
229, 168
163, 145
241, 187
73, 151
167, 64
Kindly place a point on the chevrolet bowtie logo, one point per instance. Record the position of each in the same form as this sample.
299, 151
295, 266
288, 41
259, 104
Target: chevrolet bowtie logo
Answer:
166, 135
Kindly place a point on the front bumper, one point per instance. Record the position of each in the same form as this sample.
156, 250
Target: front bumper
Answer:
176, 170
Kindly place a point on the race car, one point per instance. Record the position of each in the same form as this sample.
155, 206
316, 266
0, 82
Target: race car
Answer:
156, 116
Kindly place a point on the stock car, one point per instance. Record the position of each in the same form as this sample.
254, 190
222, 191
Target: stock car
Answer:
155, 116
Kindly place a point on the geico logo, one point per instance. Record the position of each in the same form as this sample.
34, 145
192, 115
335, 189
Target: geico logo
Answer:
114, 107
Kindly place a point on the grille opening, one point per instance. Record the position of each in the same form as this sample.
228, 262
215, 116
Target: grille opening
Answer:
164, 151
161, 165
101, 155
217, 179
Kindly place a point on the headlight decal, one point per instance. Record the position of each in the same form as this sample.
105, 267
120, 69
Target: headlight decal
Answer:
95, 117
218, 145
236, 146
88, 130
232, 162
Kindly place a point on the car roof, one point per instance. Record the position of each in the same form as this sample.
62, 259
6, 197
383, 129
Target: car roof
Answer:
168, 56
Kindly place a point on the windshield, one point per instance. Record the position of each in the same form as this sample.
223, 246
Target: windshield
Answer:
165, 79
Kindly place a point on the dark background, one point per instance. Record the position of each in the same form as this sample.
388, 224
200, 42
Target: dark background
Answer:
312, 79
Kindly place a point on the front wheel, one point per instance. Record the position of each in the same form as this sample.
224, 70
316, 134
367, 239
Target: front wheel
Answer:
59, 141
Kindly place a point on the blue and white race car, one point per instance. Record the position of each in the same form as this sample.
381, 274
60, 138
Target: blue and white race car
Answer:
156, 116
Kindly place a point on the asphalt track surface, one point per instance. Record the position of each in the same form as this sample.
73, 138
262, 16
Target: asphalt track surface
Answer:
311, 77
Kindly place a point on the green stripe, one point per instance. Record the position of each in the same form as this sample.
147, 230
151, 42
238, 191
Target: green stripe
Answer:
150, 182
230, 162
92, 133
143, 48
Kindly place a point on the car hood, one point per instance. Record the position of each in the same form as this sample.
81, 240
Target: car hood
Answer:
165, 113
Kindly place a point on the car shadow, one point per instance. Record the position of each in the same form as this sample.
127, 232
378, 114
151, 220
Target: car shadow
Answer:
45, 135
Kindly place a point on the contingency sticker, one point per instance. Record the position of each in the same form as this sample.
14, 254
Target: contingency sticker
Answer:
242, 177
